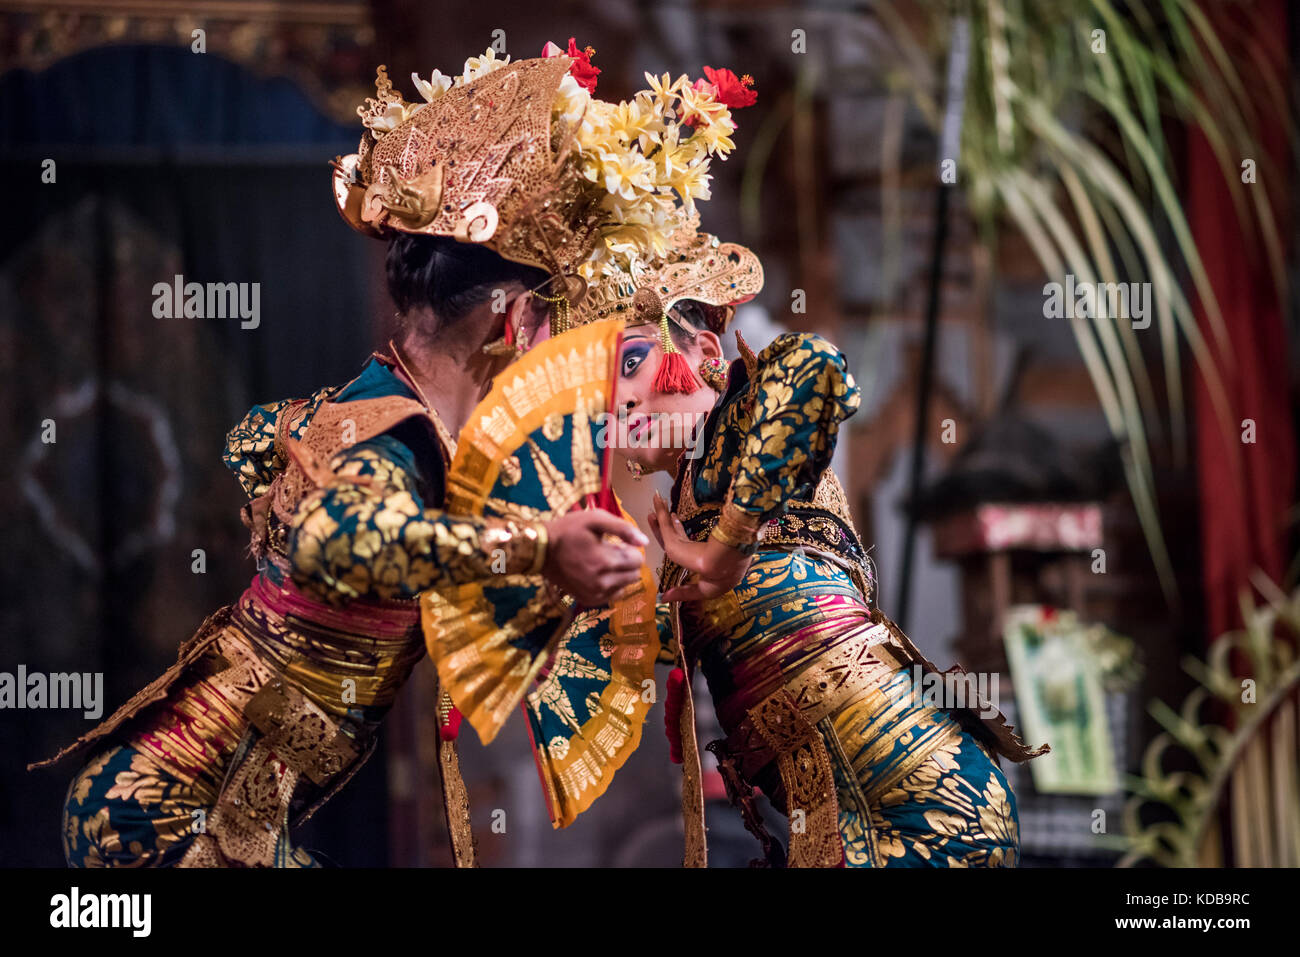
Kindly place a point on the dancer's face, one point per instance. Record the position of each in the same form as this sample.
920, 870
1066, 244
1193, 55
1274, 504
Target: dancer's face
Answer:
660, 426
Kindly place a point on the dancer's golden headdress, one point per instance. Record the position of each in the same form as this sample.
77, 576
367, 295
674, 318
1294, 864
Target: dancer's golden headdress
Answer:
522, 158
699, 267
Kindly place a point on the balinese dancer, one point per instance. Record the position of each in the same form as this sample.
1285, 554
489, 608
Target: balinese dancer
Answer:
586, 709
274, 703
772, 597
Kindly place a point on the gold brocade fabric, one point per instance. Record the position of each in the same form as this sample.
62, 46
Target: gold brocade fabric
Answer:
817, 701
193, 735
338, 663
194, 732
915, 790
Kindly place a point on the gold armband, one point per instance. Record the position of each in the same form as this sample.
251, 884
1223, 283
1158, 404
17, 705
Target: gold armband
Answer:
737, 528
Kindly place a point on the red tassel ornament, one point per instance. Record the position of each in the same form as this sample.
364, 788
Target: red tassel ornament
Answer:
673, 702
449, 718
674, 374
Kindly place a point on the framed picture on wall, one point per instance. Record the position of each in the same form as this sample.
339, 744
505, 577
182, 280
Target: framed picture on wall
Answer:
1060, 699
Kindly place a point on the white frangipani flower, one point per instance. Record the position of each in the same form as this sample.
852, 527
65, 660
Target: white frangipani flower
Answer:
395, 114
432, 88
651, 154
571, 100
477, 66
626, 172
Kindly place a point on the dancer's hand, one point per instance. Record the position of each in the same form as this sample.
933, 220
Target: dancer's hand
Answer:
582, 563
718, 568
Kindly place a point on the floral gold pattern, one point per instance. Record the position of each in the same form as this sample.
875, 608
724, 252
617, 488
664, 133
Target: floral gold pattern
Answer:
810, 683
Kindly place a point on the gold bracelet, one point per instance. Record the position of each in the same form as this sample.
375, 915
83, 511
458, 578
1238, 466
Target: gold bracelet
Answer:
539, 548
736, 528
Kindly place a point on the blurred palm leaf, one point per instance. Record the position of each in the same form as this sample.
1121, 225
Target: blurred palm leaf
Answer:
1063, 138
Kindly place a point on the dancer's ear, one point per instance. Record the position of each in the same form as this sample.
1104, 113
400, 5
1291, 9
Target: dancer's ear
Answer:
529, 317
709, 344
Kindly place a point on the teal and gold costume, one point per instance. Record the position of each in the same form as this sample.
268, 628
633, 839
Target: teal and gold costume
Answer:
813, 686
288, 685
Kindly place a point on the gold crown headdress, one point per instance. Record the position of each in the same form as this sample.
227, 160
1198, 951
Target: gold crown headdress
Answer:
479, 161
522, 158
698, 267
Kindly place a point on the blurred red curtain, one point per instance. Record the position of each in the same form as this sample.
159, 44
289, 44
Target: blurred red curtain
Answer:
1246, 489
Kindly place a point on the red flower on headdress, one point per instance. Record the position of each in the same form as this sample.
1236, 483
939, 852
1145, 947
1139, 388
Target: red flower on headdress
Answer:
730, 90
581, 68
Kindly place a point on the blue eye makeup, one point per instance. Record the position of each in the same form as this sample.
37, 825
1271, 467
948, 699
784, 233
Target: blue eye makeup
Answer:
634, 354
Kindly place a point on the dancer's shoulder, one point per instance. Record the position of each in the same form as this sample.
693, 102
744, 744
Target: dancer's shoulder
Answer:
255, 446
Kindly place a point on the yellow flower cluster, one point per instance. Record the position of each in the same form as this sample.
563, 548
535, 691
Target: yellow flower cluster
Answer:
651, 154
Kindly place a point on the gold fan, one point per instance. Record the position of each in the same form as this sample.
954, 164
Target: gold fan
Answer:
535, 449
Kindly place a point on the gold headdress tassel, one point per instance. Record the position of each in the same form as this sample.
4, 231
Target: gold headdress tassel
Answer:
560, 321
674, 373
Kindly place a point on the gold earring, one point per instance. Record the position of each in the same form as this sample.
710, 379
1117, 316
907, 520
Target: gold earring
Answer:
714, 373
635, 469
513, 343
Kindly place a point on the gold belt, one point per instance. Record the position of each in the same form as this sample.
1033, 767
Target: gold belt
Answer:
324, 659
783, 728
831, 681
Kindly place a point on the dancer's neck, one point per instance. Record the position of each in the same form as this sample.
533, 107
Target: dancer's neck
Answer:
452, 373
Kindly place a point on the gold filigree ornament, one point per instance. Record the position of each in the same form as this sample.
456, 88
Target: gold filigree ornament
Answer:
522, 158
480, 161
699, 266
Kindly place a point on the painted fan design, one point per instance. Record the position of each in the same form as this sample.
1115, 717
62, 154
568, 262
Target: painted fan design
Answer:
534, 449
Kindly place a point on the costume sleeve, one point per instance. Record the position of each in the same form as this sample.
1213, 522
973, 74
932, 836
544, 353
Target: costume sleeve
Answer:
253, 447
368, 533
802, 391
